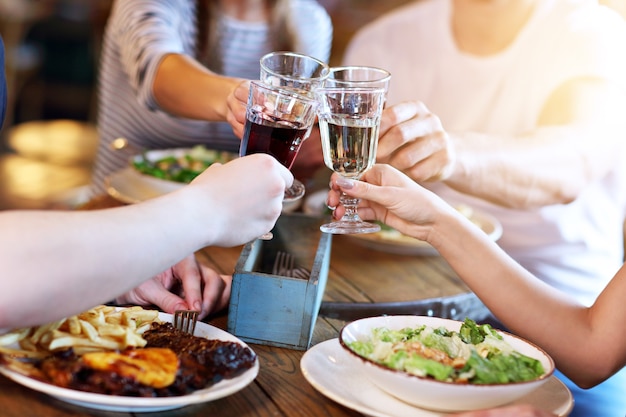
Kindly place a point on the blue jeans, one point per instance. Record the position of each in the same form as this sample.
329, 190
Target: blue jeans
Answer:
605, 400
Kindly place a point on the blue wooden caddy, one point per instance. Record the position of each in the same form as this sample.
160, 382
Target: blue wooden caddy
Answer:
276, 310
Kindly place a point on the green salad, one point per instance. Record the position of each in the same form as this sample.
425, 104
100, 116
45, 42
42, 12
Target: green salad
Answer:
183, 168
476, 354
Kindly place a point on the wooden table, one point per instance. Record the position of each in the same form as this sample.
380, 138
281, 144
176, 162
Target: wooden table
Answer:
370, 281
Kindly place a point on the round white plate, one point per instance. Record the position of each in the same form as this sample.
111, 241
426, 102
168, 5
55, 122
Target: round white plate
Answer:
139, 404
397, 243
130, 187
326, 368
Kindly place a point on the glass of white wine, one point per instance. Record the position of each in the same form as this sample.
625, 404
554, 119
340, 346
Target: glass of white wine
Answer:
349, 120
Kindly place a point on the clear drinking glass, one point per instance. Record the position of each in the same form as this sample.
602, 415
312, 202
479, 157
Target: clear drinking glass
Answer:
277, 122
293, 70
358, 76
299, 72
351, 105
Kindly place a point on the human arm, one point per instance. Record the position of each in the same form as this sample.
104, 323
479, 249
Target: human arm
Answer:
586, 343
188, 285
185, 88
577, 140
59, 263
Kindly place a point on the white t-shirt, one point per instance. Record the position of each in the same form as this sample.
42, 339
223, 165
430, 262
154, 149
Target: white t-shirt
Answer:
139, 33
575, 247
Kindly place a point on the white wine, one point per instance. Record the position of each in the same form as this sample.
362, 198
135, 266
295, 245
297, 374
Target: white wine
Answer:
349, 144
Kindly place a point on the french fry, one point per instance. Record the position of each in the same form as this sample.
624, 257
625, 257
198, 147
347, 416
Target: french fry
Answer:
97, 329
14, 336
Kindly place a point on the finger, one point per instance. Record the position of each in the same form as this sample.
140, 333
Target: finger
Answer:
189, 274
397, 126
214, 288
155, 292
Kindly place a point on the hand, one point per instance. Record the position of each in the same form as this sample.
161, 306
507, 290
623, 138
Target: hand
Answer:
391, 197
510, 411
188, 285
236, 202
237, 102
413, 140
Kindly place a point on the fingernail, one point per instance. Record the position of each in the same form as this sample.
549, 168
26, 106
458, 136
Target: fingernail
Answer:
197, 306
346, 183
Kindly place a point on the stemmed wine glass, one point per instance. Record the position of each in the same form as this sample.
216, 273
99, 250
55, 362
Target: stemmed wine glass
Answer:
298, 72
277, 122
349, 119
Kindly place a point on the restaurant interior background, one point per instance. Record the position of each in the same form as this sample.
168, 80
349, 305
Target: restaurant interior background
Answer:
48, 140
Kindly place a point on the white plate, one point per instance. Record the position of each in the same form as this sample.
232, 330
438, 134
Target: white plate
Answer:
139, 404
327, 369
397, 243
130, 187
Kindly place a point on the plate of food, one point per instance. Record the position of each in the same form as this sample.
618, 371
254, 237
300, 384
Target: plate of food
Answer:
156, 172
390, 240
156, 367
327, 367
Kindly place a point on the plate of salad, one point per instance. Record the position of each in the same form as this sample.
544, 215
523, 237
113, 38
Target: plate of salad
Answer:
444, 365
156, 172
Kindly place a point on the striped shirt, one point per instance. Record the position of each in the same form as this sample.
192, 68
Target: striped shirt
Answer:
139, 34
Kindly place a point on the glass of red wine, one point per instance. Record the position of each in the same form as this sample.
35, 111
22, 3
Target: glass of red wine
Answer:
278, 120
294, 71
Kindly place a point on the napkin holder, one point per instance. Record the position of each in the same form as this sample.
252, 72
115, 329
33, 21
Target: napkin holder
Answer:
277, 310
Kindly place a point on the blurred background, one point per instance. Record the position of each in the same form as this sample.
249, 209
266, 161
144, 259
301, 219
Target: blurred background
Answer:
49, 139
52, 50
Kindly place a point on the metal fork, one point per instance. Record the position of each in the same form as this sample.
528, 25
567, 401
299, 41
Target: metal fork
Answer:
185, 320
283, 263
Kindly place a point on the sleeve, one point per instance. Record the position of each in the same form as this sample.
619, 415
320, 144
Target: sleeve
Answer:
144, 31
313, 28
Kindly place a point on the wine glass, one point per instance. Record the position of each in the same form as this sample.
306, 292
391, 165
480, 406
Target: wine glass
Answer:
349, 119
302, 73
293, 70
358, 76
277, 122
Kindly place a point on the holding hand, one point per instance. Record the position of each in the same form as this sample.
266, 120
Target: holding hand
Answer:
188, 285
237, 101
236, 202
413, 140
391, 197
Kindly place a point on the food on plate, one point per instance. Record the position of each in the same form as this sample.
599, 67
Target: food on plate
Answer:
180, 166
162, 361
99, 328
476, 354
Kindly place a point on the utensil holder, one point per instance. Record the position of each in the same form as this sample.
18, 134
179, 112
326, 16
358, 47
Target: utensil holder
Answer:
278, 310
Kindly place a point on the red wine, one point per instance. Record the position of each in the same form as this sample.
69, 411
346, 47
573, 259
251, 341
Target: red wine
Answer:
282, 142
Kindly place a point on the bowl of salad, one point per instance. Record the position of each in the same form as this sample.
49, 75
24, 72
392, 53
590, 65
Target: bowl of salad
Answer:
445, 365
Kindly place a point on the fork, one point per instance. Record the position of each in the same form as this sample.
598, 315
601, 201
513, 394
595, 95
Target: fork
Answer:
185, 320
283, 263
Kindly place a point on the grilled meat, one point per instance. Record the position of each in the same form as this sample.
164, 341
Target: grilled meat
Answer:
201, 363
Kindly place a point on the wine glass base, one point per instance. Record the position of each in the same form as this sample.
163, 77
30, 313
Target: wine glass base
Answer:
343, 227
295, 192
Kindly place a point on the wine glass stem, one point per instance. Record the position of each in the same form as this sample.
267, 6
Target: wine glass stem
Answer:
350, 205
